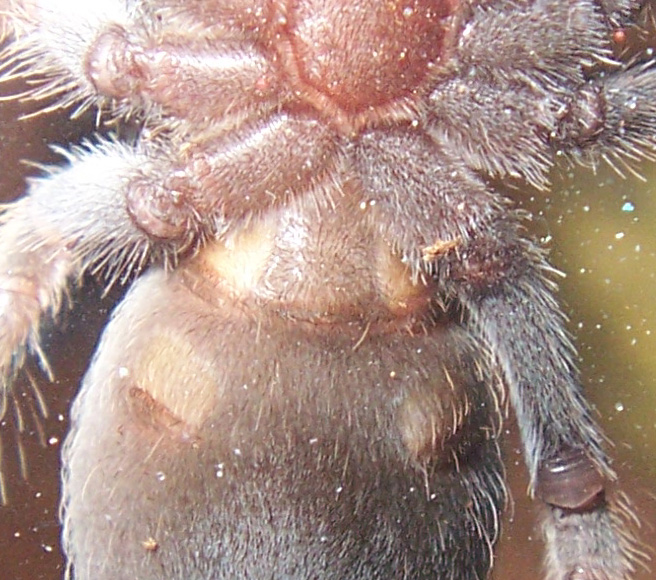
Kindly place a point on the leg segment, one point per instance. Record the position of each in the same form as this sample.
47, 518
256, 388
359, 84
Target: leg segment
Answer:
72, 220
612, 118
475, 249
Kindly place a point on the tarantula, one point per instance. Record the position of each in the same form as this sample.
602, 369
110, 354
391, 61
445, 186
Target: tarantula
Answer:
308, 378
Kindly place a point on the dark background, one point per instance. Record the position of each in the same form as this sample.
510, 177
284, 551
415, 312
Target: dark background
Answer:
601, 230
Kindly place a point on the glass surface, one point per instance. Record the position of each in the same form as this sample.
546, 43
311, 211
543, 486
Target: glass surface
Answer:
602, 232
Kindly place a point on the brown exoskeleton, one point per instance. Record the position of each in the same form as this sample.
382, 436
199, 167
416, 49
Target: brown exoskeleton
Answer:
307, 380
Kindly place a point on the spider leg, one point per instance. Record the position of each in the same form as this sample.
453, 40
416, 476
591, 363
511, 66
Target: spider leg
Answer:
481, 259
72, 220
117, 208
611, 118
49, 42
139, 58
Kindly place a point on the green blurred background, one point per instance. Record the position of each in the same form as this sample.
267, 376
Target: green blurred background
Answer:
601, 230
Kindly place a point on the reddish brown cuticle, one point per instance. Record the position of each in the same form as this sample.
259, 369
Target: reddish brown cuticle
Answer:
619, 36
157, 213
102, 68
355, 62
571, 481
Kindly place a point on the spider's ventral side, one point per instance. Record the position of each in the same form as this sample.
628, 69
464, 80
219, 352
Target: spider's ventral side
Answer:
308, 380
